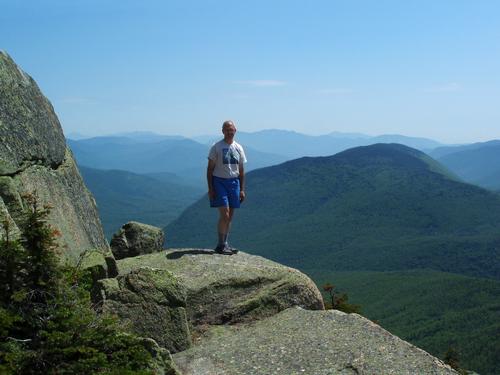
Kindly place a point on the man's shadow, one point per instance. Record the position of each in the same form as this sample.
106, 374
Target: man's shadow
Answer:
180, 253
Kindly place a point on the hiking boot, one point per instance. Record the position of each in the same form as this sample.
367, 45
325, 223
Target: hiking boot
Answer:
222, 249
232, 249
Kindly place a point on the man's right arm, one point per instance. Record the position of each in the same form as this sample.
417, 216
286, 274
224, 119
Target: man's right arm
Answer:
210, 171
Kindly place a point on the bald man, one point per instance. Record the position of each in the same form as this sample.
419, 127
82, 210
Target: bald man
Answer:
226, 183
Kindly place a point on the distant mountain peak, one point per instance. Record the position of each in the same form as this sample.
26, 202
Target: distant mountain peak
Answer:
394, 154
387, 151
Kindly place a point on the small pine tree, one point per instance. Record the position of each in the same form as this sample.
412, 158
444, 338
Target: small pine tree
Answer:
12, 257
339, 301
452, 358
47, 324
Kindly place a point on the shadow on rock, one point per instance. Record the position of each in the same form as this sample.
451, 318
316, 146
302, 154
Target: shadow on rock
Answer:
180, 253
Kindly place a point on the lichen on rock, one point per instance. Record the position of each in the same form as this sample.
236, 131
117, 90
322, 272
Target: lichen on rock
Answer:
152, 301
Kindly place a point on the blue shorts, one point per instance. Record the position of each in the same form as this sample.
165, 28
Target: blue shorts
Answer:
227, 192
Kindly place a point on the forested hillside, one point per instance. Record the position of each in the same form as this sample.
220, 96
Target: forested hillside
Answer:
124, 196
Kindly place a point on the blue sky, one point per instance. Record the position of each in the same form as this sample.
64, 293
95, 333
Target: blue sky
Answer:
418, 68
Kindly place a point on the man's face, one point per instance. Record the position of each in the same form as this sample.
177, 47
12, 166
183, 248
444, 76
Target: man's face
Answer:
229, 131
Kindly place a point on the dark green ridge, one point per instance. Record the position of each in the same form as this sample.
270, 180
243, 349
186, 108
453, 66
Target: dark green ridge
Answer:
382, 207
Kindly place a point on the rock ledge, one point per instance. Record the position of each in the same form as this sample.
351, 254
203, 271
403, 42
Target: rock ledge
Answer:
298, 341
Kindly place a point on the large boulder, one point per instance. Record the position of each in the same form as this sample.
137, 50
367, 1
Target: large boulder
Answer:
168, 296
34, 159
230, 289
135, 239
152, 301
297, 341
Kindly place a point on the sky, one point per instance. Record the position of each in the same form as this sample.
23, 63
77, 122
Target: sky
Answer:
426, 68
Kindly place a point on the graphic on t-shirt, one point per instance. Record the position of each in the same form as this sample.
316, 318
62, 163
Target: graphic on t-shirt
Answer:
230, 156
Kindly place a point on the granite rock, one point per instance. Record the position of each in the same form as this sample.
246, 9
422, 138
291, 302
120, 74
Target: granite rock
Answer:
298, 341
30, 132
224, 289
34, 159
151, 301
162, 359
135, 238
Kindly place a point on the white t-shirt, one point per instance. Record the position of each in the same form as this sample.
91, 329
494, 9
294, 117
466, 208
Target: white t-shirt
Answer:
227, 159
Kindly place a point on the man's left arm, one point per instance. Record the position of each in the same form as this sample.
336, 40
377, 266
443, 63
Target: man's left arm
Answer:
241, 177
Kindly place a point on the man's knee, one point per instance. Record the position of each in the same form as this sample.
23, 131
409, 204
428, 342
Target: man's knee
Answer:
225, 215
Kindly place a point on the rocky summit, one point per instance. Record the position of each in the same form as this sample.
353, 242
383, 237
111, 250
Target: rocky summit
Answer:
34, 159
248, 315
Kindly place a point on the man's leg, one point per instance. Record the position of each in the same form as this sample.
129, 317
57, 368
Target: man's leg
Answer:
228, 228
234, 202
225, 216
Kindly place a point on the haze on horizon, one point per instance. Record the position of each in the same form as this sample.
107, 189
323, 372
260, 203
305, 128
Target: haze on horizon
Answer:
426, 69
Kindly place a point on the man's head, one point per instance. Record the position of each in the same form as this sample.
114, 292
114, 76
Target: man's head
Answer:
229, 130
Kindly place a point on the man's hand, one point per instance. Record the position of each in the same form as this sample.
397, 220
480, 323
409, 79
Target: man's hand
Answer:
211, 195
210, 171
242, 195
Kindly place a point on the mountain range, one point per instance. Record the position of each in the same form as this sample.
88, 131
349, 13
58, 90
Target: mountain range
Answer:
293, 145
146, 152
182, 157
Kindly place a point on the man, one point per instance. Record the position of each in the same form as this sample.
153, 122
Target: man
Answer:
226, 182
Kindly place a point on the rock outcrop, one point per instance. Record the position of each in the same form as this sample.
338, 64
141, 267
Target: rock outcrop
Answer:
223, 289
135, 239
152, 301
298, 341
172, 296
34, 159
